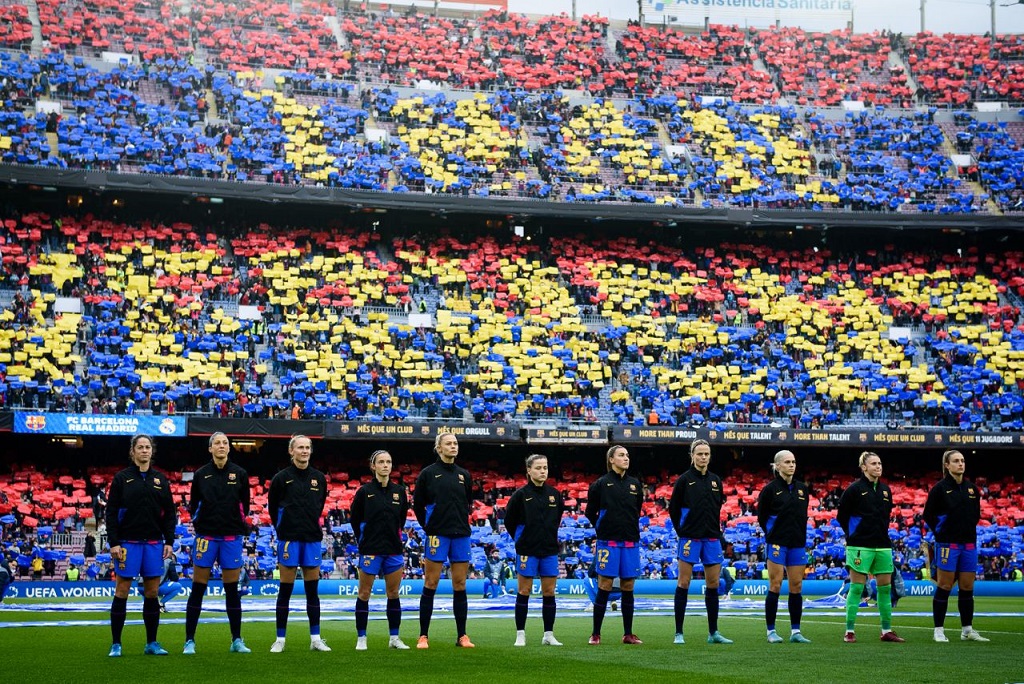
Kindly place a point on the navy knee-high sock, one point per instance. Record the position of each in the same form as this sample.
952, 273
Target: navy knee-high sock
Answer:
680, 607
627, 612
151, 617
394, 613
118, 612
193, 609
460, 609
522, 607
312, 605
771, 609
940, 604
796, 610
426, 609
965, 602
711, 603
548, 613
233, 607
362, 616
284, 597
600, 606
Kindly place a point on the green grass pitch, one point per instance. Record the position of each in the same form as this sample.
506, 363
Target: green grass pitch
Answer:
52, 646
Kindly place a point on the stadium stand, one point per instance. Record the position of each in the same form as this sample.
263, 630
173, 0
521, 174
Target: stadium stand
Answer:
824, 69
735, 333
463, 146
496, 50
15, 27
243, 117
715, 63
959, 70
257, 34
150, 30
995, 158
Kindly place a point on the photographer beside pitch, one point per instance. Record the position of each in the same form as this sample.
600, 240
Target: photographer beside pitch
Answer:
952, 512
219, 503
532, 517
140, 531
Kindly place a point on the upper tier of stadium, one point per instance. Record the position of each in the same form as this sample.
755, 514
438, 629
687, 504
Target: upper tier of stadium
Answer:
506, 106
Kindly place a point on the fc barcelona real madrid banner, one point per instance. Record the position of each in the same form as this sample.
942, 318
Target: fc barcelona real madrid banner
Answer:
99, 424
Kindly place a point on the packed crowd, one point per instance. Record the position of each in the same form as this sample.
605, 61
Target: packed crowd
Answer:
502, 50
275, 322
229, 120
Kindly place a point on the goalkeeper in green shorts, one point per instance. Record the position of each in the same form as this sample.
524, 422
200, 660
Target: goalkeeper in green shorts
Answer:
864, 513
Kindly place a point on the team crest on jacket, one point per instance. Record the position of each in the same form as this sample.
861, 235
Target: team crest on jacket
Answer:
551, 498
394, 496
462, 480
231, 477
156, 480
314, 483
632, 487
714, 484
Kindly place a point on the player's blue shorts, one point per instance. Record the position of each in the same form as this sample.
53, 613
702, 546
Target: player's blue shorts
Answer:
706, 551
537, 566
452, 549
617, 559
225, 550
786, 555
293, 554
376, 565
956, 557
145, 559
